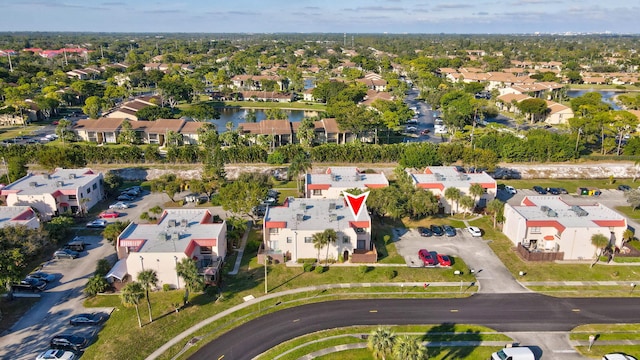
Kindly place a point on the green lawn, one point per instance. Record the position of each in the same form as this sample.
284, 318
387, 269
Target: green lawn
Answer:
482, 352
629, 212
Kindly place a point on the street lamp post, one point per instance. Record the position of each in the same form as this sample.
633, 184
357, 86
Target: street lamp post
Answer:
175, 259
142, 262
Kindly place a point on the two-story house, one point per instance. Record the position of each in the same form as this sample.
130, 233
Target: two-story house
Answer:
331, 183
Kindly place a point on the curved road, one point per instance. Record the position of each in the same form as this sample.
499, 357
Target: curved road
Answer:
512, 312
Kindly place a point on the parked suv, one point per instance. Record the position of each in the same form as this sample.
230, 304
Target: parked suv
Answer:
65, 254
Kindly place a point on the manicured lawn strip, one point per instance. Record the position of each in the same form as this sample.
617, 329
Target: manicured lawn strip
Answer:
571, 185
598, 350
550, 271
462, 352
585, 291
387, 252
628, 212
315, 346
582, 332
285, 184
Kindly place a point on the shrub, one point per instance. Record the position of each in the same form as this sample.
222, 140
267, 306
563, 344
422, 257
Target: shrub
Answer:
276, 158
387, 238
390, 273
144, 216
215, 200
319, 269
307, 267
166, 287
306, 260
340, 258
102, 267
95, 285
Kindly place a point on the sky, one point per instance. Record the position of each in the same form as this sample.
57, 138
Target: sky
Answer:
333, 16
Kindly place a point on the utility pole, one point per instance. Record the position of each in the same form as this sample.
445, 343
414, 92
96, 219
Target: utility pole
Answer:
101, 52
10, 66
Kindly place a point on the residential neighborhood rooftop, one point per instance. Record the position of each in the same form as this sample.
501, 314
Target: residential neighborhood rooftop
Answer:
174, 232
450, 176
554, 208
311, 214
347, 177
60, 179
15, 215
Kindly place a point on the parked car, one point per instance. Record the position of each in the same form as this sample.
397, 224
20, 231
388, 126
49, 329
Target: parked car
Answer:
443, 260
75, 245
269, 201
109, 214
56, 354
65, 254
624, 187
87, 319
134, 190
424, 231
474, 231
273, 193
39, 284
437, 230
540, 190
411, 129
412, 121
553, 191
120, 205
98, 223
24, 286
68, 342
425, 132
259, 210
427, 258
510, 189
514, 353
125, 197
563, 191
618, 356
449, 231
39, 275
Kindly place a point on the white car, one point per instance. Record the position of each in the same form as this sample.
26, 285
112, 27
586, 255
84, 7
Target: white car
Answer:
474, 231
510, 189
56, 354
618, 356
119, 205
412, 129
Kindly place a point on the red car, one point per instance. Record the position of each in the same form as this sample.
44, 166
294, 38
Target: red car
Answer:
443, 260
427, 258
109, 214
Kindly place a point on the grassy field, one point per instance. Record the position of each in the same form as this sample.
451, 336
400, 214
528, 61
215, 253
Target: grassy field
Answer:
607, 332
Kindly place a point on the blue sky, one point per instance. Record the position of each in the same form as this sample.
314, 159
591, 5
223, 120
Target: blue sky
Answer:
351, 16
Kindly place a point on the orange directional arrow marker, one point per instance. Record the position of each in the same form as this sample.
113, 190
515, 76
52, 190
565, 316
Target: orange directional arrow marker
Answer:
356, 202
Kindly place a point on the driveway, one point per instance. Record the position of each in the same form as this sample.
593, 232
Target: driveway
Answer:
62, 299
493, 277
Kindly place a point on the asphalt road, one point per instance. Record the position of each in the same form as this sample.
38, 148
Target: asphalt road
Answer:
512, 312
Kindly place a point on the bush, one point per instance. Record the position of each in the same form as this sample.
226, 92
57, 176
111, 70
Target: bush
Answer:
276, 158
387, 238
144, 216
306, 260
390, 273
307, 267
95, 285
216, 200
166, 287
102, 267
319, 269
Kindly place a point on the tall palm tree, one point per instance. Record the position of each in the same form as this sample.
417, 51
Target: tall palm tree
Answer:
467, 203
476, 191
496, 208
330, 237
380, 342
600, 242
319, 241
453, 194
299, 165
409, 348
148, 278
188, 271
131, 295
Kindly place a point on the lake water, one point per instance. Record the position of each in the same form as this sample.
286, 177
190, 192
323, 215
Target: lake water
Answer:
607, 96
237, 116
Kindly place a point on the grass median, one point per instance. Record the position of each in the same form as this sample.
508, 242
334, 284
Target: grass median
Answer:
609, 338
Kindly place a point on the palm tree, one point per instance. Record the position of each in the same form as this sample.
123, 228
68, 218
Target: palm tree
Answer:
299, 165
467, 203
319, 241
330, 237
600, 242
476, 190
147, 279
496, 208
131, 295
188, 271
380, 342
453, 194
409, 348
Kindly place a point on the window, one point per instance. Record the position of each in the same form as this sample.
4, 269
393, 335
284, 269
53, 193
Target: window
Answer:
317, 192
273, 231
273, 245
359, 231
95, 186
289, 240
73, 197
308, 240
88, 191
535, 230
346, 240
206, 250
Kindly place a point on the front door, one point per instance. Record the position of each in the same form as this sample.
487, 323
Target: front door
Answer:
362, 244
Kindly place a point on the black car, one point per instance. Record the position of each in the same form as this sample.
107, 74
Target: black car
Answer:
449, 231
424, 231
540, 190
87, 319
553, 191
437, 230
68, 342
38, 284
624, 187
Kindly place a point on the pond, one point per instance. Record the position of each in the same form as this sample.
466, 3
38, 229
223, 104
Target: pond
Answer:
236, 116
607, 96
